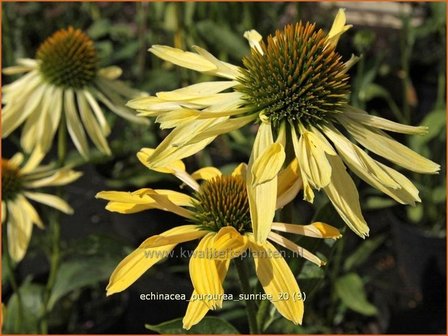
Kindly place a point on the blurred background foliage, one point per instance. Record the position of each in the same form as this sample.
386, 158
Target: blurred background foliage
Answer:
393, 282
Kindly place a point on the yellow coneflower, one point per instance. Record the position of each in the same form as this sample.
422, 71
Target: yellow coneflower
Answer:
64, 85
295, 85
219, 215
18, 183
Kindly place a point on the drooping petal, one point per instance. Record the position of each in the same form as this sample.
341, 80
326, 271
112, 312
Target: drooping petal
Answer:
92, 127
290, 245
277, 280
229, 243
204, 273
381, 144
30, 211
262, 196
344, 196
145, 256
197, 309
74, 125
19, 229
268, 164
315, 230
289, 184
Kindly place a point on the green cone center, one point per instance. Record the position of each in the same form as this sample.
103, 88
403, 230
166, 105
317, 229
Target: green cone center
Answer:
222, 201
11, 182
298, 78
68, 59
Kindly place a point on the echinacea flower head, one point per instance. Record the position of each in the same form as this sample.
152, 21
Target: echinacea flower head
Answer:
295, 85
219, 215
64, 87
19, 181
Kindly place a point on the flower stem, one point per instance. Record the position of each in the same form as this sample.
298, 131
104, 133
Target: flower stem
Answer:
12, 281
250, 304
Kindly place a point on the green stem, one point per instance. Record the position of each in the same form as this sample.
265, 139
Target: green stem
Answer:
12, 280
250, 304
55, 231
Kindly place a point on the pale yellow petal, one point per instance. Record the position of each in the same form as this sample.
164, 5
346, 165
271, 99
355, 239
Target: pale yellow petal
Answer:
91, 125
223, 69
240, 170
50, 200
30, 211
33, 161
262, 197
268, 164
206, 173
290, 245
338, 28
194, 91
111, 72
254, 39
98, 112
289, 184
343, 194
60, 177
315, 230
74, 125
19, 229
145, 154
182, 58
197, 309
277, 280
204, 273
145, 256
382, 145
382, 123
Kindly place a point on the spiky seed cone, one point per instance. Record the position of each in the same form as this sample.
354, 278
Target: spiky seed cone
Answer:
68, 58
222, 201
299, 77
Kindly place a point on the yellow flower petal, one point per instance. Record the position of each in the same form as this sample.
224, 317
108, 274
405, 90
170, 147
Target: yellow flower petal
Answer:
277, 280
91, 125
204, 273
182, 58
310, 151
229, 243
194, 91
206, 173
290, 245
19, 229
145, 256
30, 211
315, 230
223, 69
262, 197
268, 164
145, 154
382, 123
343, 194
254, 39
338, 28
240, 170
60, 177
197, 309
289, 184
50, 200
381, 144
74, 125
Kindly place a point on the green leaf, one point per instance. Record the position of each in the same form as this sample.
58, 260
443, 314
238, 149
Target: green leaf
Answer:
350, 289
436, 121
223, 38
27, 320
75, 274
415, 214
375, 203
363, 252
208, 325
